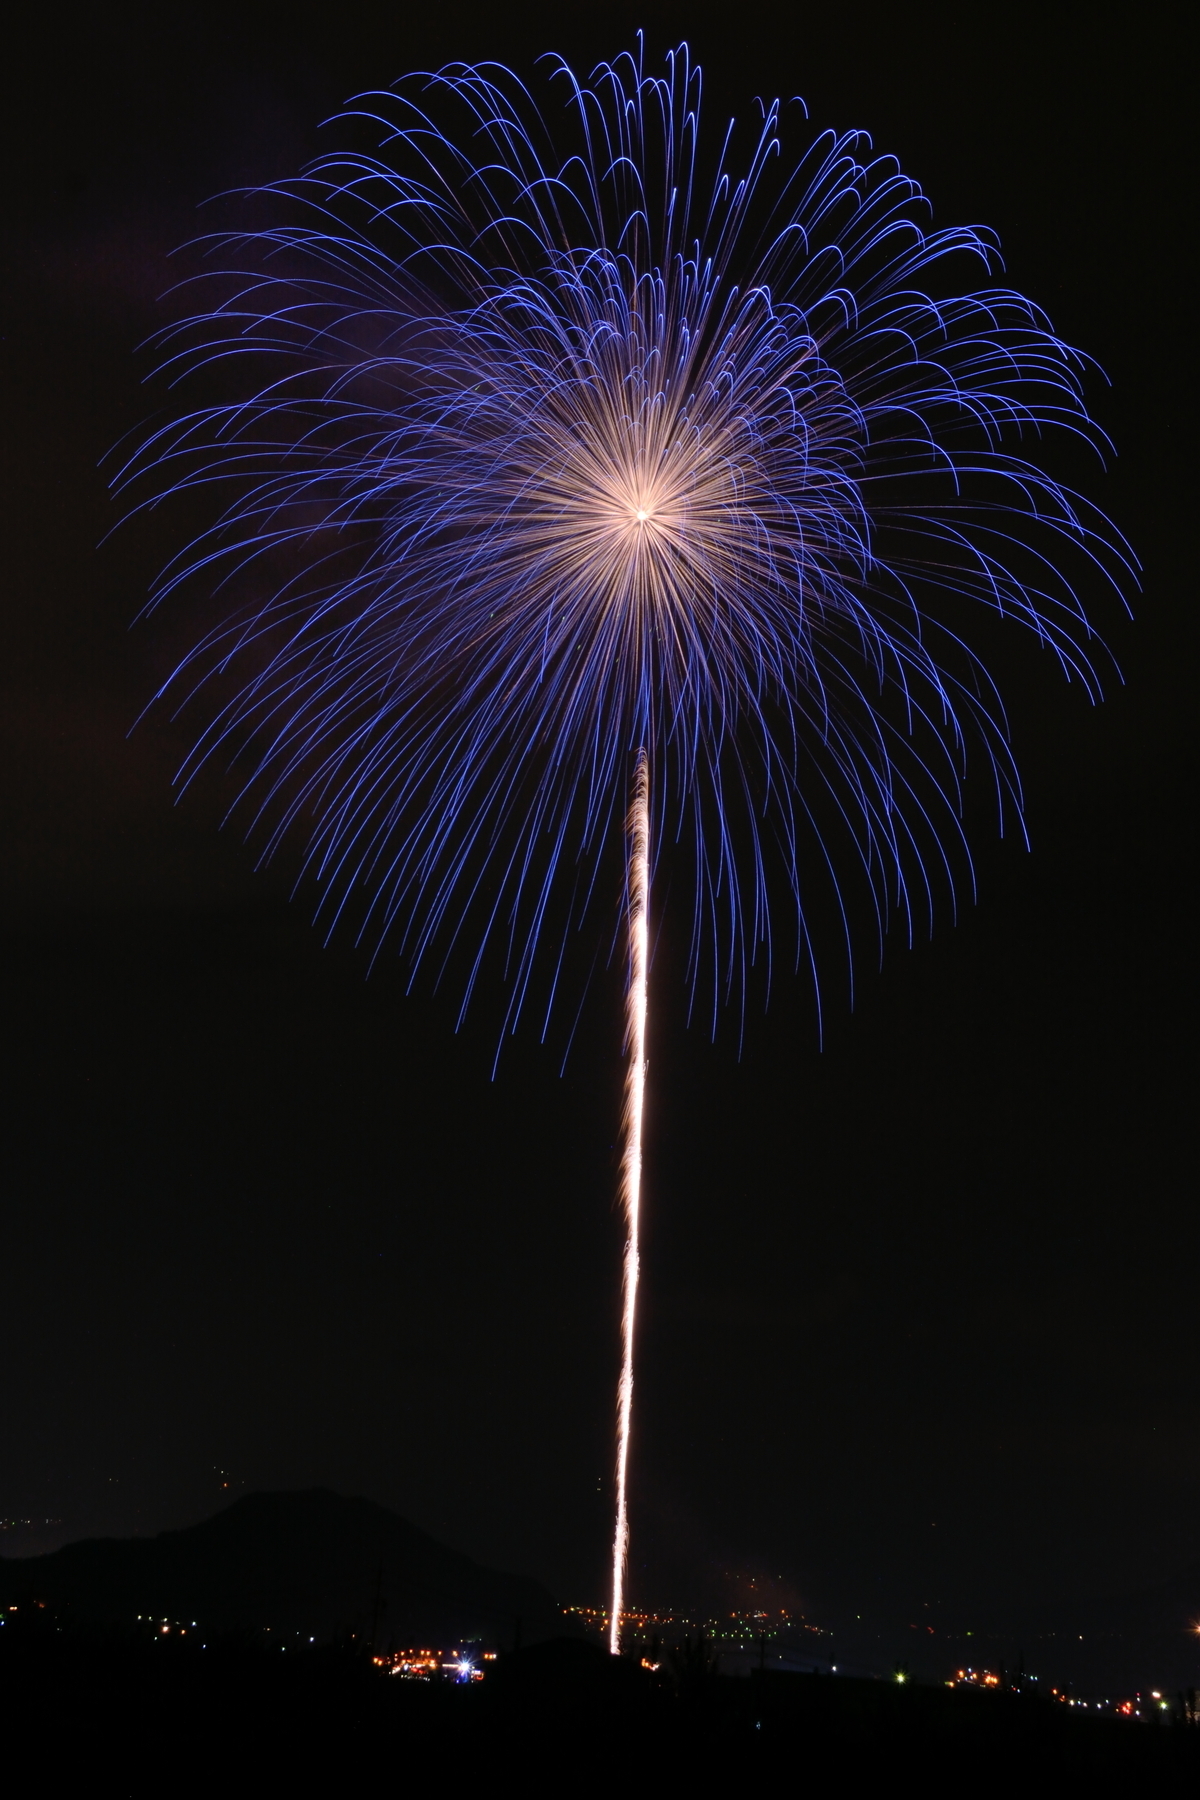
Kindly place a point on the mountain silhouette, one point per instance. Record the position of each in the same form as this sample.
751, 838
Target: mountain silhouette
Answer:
311, 1563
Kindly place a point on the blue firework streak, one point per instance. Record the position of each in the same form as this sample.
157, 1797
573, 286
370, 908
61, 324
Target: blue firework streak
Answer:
568, 434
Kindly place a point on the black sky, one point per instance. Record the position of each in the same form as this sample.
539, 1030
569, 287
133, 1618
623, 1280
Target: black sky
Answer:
919, 1308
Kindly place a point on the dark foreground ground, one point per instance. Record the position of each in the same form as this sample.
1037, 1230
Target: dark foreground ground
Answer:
139, 1717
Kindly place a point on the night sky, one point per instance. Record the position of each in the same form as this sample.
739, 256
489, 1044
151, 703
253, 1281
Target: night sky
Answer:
919, 1306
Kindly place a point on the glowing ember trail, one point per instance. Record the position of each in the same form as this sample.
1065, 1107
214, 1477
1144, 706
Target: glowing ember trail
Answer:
631, 1161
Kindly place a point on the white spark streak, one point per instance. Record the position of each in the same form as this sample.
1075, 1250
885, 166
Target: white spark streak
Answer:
631, 1162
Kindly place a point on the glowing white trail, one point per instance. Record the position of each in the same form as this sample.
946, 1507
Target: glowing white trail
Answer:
631, 1161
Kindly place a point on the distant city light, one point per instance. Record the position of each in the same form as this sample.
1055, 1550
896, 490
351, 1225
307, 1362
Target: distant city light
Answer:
432, 1665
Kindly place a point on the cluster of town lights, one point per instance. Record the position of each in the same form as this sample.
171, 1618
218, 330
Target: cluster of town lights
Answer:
746, 1628
434, 1665
467, 1665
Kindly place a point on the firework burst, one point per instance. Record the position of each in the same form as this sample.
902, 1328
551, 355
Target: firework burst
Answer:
574, 446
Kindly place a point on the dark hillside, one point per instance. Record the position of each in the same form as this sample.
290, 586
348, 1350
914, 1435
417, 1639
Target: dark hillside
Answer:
311, 1563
